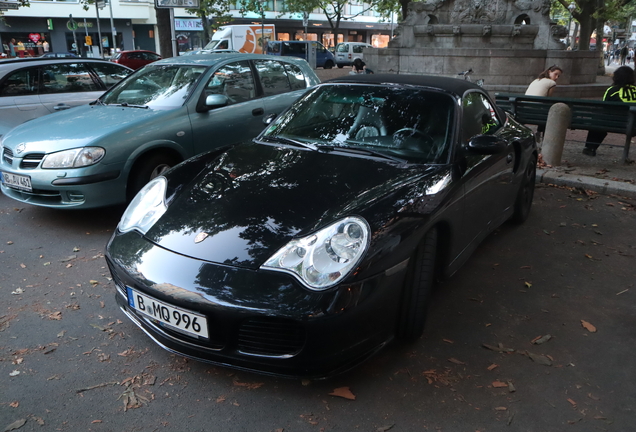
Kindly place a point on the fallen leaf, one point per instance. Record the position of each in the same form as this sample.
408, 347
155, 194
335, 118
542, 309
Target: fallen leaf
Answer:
587, 326
76, 249
96, 421
511, 387
499, 384
572, 402
541, 359
220, 399
541, 339
55, 316
492, 366
447, 341
343, 392
454, 360
68, 258
10, 243
93, 282
250, 386
14, 404
15, 425
22, 265
305, 382
528, 284
501, 409
14, 373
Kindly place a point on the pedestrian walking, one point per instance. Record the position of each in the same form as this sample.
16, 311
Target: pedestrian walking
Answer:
12, 44
623, 54
622, 90
544, 86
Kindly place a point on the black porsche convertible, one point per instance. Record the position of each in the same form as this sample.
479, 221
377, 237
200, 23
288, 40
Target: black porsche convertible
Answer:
305, 251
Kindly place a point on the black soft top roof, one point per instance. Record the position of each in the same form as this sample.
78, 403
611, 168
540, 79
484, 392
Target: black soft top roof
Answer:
452, 85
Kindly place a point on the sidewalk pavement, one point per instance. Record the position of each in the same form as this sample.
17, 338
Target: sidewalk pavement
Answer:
603, 173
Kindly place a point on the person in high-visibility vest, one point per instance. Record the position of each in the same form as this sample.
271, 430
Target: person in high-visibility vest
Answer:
622, 90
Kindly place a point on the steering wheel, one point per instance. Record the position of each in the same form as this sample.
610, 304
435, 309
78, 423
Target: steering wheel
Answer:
413, 139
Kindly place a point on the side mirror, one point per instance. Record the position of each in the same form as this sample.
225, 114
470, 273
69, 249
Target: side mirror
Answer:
216, 101
268, 119
486, 144
211, 102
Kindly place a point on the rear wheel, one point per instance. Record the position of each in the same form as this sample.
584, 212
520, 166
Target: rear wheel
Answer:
417, 289
328, 64
523, 203
340, 66
146, 170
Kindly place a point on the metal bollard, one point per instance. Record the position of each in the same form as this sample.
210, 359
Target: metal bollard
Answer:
559, 118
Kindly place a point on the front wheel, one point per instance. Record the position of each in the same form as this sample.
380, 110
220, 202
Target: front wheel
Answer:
417, 289
340, 66
328, 64
146, 170
523, 202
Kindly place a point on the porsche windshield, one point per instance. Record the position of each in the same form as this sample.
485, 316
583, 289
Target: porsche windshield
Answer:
406, 122
161, 87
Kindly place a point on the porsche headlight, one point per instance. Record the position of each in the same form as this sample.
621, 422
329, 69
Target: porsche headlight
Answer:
146, 208
74, 158
325, 258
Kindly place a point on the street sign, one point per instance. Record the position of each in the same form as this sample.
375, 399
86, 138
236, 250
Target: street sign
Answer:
8, 5
191, 4
101, 4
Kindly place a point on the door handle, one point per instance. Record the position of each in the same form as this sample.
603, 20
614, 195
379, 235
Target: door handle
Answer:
258, 111
60, 107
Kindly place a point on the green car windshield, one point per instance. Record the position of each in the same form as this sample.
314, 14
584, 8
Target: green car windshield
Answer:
159, 87
409, 123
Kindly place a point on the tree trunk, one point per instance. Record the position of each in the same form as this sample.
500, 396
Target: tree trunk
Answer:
587, 23
165, 33
206, 29
599, 47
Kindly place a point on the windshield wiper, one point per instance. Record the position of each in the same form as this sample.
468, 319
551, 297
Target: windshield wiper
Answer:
285, 140
130, 106
362, 151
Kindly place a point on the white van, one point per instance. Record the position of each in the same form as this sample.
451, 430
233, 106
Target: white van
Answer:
347, 52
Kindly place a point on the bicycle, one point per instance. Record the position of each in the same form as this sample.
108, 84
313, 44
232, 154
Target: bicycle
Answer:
466, 75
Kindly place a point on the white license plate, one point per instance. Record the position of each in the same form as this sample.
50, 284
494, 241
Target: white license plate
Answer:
17, 181
179, 319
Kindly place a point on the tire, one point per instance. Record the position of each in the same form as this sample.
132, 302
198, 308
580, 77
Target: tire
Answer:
147, 169
523, 202
328, 64
340, 66
417, 289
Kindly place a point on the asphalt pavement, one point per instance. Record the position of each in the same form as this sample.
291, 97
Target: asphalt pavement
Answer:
535, 333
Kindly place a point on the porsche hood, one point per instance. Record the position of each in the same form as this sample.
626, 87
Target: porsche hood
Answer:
252, 200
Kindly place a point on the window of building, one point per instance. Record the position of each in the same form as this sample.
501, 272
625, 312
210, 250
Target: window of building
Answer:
282, 36
380, 41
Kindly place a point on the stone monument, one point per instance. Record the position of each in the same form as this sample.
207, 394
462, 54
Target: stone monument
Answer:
507, 43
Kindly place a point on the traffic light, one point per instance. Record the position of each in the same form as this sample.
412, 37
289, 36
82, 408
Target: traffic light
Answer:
88, 40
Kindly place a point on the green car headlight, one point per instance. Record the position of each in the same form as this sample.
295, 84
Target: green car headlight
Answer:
146, 208
325, 258
74, 158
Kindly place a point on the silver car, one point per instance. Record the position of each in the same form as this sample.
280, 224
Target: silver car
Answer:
31, 88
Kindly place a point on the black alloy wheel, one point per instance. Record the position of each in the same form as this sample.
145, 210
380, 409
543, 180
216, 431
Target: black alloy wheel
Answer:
523, 203
417, 289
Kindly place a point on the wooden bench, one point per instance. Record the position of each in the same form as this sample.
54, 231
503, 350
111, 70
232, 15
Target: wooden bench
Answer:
587, 114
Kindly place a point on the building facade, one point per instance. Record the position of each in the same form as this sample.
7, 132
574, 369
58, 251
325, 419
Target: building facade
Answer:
63, 26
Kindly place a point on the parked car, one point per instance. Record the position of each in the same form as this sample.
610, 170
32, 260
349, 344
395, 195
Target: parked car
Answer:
204, 51
59, 55
31, 88
135, 59
309, 249
103, 153
347, 52
324, 58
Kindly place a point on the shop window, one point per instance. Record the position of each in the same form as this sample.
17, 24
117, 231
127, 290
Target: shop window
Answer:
380, 41
283, 36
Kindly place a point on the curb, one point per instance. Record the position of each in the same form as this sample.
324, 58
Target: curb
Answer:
602, 186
